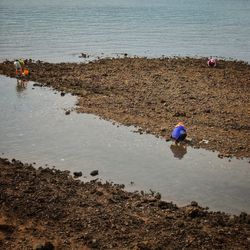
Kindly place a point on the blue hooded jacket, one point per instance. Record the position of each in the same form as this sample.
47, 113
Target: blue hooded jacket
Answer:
178, 131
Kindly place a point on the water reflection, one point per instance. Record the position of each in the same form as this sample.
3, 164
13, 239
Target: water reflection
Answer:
21, 85
178, 150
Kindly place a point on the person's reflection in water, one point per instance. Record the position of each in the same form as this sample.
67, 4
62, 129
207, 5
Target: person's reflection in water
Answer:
179, 150
21, 84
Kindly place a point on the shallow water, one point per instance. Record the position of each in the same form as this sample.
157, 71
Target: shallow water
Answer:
34, 128
57, 30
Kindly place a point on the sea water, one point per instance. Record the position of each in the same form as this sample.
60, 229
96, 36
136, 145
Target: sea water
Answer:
60, 30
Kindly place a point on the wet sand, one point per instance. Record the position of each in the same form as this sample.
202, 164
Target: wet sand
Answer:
45, 208
154, 94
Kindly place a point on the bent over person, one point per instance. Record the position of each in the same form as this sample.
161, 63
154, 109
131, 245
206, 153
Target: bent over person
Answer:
179, 133
211, 62
19, 64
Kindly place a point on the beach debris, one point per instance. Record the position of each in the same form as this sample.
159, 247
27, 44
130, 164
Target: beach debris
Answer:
188, 139
204, 141
67, 112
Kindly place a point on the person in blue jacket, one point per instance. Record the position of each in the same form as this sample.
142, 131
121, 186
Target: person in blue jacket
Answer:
179, 133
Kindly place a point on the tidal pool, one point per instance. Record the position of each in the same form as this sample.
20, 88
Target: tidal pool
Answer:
34, 128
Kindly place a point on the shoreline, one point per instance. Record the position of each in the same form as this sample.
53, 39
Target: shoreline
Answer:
154, 94
48, 207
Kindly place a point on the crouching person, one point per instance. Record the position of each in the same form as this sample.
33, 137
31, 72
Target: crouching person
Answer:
211, 62
179, 133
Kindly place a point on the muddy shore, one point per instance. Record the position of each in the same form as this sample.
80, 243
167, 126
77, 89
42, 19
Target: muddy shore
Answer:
42, 208
154, 94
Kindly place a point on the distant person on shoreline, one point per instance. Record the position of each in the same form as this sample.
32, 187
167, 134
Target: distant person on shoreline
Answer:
19, 65
179, 133
21, 70
211, 62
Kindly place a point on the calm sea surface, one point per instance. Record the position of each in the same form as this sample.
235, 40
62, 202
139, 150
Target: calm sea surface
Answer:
58, 30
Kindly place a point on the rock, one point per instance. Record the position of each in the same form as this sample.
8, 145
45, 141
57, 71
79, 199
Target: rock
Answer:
94, 173
244, 217
38, 247
77, 174
158, 196
62, 94
220, 156
163, 129
67, 112
188, 139
46, 246
140, 131
6, 228
207, 111
177, 114
166, 205
83, 55
194, 204
151, 199
37, 85
195, 212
